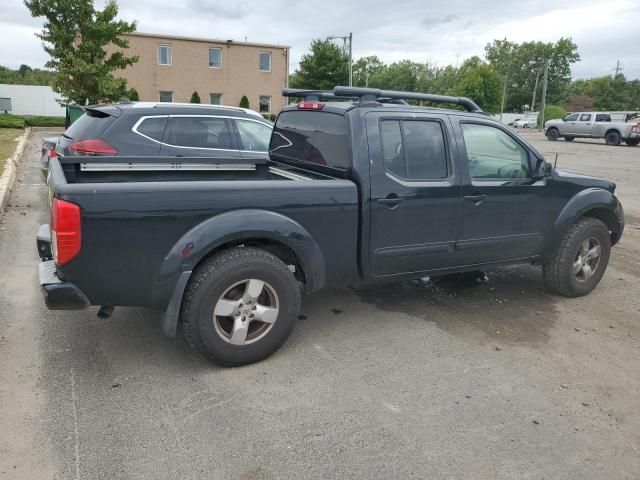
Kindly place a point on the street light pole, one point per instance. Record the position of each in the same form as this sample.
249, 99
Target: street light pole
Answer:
544, 91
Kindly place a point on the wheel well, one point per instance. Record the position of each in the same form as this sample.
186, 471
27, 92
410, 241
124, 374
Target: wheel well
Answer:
280, 250
607, 217
612, 130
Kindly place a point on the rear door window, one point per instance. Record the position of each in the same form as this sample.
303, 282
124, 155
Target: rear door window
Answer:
585, 117
414, 149
198, 132
314, 137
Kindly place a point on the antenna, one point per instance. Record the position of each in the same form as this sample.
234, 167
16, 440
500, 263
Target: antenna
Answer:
555, 164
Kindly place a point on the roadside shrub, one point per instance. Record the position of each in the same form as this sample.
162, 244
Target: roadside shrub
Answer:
269, 116
244, 102
44, 121
552, 112
11, 121
132, 95
195, 98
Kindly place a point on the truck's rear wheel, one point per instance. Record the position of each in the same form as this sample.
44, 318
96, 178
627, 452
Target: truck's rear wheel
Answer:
579, 262
240, 306
553, 134
612, 138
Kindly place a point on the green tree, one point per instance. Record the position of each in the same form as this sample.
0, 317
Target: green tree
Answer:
482, 84
195, 98
132, 95
401, 75
74, 35
364, 68
552, 112
244, 102
323, 68
24, 69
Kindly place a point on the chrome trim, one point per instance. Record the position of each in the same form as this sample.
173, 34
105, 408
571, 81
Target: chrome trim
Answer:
289, 175
134, 129
142, 167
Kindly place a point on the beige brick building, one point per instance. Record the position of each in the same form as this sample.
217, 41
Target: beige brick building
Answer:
171, 68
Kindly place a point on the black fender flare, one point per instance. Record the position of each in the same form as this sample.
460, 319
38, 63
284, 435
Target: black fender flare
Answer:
580, 204
231, 227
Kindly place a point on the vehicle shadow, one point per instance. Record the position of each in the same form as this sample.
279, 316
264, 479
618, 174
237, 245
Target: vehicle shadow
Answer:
508, 305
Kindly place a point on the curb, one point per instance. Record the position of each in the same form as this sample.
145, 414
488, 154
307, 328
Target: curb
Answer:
8, 178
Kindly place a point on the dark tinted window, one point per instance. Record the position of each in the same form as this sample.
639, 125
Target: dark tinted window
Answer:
90, 125
199, 132
603, 117
153, 127
414, 149
315, 137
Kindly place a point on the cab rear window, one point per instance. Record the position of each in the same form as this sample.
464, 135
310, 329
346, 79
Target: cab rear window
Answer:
319, 138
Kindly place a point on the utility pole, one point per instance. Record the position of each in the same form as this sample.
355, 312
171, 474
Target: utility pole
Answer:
618, 68
504, 95
544, 91
535, 90
344, 39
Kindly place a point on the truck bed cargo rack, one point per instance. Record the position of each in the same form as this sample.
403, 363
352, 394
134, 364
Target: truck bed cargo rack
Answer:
375, 95
159, 164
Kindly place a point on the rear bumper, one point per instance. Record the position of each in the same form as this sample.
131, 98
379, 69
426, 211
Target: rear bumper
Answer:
58, 295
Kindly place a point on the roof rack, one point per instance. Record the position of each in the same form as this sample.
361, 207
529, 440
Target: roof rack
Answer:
380, 96
316, 95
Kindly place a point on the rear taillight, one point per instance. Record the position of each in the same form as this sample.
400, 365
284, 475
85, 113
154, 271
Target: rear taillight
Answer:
52, 153
92, 146
66, 231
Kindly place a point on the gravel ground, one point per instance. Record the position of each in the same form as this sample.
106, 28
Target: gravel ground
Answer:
474, 378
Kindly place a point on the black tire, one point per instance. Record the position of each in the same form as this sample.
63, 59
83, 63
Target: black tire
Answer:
204, 331
569, 139
612, 138
553, 134
558, 269
632, 142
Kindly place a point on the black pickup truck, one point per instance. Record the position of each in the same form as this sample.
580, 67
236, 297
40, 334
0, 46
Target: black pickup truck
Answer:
359, 186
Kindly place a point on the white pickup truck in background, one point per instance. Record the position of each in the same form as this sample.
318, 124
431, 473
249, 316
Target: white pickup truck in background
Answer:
593, 125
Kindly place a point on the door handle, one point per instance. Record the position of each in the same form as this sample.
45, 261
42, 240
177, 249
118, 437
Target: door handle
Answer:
476, 198
392, 200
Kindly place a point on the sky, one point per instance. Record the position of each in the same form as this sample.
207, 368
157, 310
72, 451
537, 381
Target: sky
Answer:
438, 31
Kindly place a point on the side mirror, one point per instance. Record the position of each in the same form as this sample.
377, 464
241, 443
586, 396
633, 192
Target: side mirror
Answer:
543, 169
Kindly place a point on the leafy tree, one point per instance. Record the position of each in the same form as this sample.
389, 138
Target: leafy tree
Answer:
401, 75
24, 69
323, 68
195, 98
552, 112
25, 76
521, 64
132, 95
482, 84
74, 35
244, 102
579, 102
365, 68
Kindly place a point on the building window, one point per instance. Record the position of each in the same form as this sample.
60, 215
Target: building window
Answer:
216, 98
265, 104
215, 57
265, 61
164, 54
166, 96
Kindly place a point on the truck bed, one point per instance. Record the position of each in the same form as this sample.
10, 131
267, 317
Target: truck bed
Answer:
135, 216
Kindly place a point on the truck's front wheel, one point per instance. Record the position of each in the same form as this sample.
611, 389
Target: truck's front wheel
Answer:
240, 306
553, 134
580, 260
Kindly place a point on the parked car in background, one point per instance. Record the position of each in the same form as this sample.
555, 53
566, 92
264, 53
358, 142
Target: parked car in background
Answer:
163, 129
525, 123
593, 125
510, 124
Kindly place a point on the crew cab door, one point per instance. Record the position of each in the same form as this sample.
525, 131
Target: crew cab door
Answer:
570, 126
504, 210
415, 192
584, 125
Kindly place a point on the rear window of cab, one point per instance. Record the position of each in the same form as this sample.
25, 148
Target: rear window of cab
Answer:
319, 138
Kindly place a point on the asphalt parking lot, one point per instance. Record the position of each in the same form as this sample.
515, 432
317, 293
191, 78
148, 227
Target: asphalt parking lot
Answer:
487, 378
